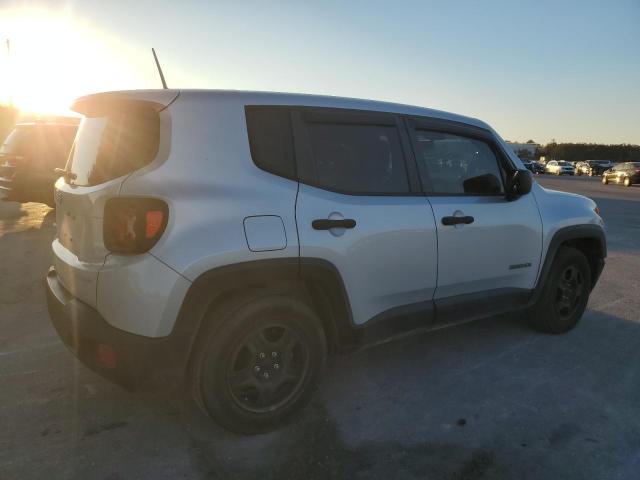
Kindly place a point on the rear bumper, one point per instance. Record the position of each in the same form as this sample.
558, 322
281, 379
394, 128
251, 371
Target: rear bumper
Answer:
124, 358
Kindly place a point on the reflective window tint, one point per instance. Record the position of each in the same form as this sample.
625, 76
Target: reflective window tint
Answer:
361, 159
112, 146
453, 164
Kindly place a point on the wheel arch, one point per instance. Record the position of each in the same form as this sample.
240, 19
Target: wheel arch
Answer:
589, 239
316, 282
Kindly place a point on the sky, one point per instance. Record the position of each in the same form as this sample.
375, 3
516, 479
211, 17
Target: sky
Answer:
541, 70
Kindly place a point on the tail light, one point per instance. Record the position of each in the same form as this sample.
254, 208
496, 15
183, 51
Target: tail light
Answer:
133, 225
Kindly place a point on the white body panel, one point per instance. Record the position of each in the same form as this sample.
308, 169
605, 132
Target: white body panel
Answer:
78, 251
500, 249
140, 294
388, 260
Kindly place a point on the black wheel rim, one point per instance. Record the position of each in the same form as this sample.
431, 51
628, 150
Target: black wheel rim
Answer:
267, 368
569, 292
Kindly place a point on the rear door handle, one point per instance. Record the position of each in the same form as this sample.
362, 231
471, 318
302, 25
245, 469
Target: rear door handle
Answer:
457, 220
326, 224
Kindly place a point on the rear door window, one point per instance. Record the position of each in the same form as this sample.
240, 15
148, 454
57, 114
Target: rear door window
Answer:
358, 158
109, 147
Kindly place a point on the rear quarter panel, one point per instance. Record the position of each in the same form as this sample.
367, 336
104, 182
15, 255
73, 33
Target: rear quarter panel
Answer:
211, 185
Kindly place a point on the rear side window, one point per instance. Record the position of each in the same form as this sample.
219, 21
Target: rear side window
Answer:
271, 139
358, 159
111, 146
457, 165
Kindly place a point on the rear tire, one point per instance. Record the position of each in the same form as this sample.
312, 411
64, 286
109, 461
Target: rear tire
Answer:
565, 293
261, 365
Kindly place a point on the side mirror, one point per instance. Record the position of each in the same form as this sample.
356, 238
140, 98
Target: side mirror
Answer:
520, 184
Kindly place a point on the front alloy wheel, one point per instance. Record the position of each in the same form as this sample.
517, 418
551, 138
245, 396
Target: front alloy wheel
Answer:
564, 294
569, 291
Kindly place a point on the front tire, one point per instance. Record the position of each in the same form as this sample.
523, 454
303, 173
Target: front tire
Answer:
261, 365
605, 180
627, 182
565, 294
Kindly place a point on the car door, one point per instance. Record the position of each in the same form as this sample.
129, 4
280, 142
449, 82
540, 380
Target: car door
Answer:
489, 247
359, 208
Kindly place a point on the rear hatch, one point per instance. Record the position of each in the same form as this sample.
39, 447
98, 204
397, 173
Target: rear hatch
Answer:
118, 135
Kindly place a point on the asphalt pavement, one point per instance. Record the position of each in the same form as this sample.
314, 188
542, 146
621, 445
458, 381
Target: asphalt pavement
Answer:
486, 400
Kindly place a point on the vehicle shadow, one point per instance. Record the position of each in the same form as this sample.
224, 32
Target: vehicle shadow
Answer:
490, 399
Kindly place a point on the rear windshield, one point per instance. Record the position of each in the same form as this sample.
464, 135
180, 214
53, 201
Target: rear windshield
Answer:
563, 164
111, 146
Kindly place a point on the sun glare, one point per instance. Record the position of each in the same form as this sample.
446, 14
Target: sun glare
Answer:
54, 58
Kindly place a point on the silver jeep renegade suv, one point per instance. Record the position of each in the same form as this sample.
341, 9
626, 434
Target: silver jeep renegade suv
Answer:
235, 238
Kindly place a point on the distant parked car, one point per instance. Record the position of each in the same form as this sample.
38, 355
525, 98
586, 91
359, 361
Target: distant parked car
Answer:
527, 164
624, 173
29, 157
532, 166
593, 167
537, 167
559, 167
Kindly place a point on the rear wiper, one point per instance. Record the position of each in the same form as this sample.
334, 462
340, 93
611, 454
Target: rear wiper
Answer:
67, 174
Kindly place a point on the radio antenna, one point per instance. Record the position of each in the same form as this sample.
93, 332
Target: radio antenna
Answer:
164, 83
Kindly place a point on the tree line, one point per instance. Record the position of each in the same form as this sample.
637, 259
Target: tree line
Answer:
575, 152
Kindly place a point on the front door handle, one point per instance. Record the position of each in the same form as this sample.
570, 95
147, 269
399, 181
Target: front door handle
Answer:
326, 223
457, 220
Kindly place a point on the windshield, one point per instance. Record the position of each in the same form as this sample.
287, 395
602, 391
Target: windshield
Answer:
564, 164
17, 143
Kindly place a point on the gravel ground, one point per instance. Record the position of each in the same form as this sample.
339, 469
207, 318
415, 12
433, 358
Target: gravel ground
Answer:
486, 400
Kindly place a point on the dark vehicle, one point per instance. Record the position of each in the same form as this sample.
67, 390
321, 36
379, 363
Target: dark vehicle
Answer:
29, 157
527, 164
537, 167
533, 166
624, 173
593, 167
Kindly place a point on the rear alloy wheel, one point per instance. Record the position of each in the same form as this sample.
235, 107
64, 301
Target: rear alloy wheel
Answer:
565, 294
261, 365
627, 182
